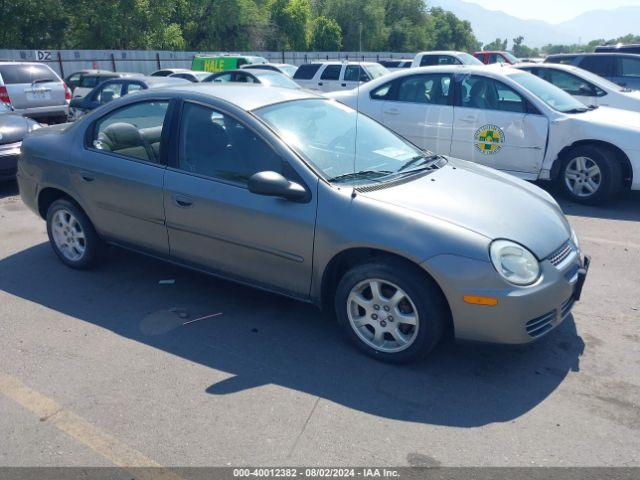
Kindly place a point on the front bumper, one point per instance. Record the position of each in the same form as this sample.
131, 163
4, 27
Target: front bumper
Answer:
9, 155
523, 314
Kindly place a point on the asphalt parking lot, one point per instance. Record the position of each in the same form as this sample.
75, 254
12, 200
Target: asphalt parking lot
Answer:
107, 367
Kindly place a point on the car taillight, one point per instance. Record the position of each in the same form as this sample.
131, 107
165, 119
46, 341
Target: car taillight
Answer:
67, 93
4, 95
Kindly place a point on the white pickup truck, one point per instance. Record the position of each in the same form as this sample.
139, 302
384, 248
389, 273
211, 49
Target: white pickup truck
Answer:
333, 76
512, 121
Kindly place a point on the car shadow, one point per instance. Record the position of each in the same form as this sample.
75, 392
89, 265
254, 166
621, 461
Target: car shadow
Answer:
625, 207
260, 338
8, 188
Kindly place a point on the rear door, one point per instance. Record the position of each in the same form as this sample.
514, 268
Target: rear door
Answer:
305, 75
32, 85
420, 108
329, 80
493, 126
121, 175
215, 222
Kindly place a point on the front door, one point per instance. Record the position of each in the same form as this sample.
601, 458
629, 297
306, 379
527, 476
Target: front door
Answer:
121, 175
492, 126
419, 107
216, 223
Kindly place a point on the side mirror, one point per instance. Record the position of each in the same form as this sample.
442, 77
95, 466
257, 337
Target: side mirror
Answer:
76, 102
272, 184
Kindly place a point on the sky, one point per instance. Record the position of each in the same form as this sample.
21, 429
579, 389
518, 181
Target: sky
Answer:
552, 11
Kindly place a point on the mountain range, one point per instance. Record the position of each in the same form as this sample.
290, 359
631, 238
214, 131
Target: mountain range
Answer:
490, 24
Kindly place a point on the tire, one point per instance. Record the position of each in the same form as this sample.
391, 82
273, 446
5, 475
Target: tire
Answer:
397, 341
68, 225
576, 178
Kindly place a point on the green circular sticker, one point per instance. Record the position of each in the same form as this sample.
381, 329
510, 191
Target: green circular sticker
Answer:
489, 139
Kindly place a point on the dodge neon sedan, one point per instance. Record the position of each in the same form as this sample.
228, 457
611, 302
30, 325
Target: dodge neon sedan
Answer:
272, 187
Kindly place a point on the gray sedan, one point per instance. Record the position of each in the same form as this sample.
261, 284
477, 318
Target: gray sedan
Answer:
272, 187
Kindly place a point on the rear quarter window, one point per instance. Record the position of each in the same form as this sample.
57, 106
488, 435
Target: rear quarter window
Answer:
306, 72
15, 74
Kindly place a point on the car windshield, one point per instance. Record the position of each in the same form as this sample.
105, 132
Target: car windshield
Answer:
550, 94
288, 69
328, 135
375, 70
510, 57
469, 59
275, 79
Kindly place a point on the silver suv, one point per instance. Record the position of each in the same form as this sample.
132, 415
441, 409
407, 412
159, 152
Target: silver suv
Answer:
34, 90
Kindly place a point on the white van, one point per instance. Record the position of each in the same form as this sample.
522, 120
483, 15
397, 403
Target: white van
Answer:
335, 76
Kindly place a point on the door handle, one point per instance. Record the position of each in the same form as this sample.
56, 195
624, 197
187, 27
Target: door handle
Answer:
182, 201
87, 176
344, 84
468, 119
392, 111
320, 83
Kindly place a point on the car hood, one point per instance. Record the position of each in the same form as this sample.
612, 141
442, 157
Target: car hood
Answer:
607, 117
485, 201
14, 127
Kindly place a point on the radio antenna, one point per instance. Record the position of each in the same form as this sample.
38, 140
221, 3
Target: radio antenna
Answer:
355, 143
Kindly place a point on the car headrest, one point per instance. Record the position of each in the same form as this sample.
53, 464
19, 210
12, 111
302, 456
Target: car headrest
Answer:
122, 135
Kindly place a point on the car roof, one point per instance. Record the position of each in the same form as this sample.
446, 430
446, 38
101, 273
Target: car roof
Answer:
153, 82
592, 54
441, 52
246, 96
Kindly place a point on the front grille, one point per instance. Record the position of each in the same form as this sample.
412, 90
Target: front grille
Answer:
541, 325
557, 257
566, 307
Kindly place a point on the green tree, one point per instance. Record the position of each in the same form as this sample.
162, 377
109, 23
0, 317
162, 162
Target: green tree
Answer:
522, 51
451, 33
291, 20
362, 22
497, 44
326, 35
410, 25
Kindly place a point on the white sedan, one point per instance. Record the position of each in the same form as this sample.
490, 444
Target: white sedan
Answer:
589, 88
509, 120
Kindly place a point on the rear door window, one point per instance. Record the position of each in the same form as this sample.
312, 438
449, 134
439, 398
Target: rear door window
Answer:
430, 89
332, 72
133, 131
16, 74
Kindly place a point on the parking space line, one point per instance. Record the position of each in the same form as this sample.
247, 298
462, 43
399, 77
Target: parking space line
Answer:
66, 421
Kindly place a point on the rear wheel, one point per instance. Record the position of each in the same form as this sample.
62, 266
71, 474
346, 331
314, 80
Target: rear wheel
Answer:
390, 311
72, 236
591, 175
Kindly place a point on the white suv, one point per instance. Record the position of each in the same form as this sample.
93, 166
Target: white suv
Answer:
332, 76
34, 90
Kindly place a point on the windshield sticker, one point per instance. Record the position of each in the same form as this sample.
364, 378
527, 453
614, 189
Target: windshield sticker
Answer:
395, 153
489, 139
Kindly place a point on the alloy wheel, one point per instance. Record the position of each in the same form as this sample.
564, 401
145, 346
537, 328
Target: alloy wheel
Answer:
383, 315
583, 177
68, 235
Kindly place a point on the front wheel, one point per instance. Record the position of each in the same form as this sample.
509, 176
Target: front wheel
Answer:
391, 311
72, 236
590, 175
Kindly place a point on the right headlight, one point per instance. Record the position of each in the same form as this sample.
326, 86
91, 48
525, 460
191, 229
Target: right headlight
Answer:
514, 262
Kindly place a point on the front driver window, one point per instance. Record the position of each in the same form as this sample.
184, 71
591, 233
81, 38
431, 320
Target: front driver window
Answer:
567, 82
487, 94
133, 131
216, 145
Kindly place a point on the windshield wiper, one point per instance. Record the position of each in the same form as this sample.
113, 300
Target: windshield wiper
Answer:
416, 160
577, 110
360, 174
